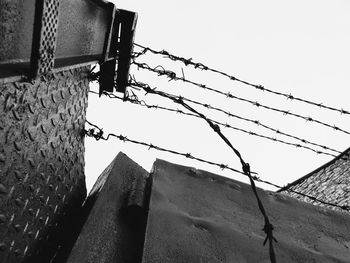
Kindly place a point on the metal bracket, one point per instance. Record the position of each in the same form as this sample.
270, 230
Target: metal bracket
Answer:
128, 25
44, 36
121, 47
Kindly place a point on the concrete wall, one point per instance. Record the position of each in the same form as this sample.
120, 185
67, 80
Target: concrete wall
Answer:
42, 181
117, 214
330, 182
197, 216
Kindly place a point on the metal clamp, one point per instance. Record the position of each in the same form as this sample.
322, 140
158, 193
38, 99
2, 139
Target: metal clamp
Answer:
120, 49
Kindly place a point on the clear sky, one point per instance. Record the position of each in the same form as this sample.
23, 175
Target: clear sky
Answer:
298, 47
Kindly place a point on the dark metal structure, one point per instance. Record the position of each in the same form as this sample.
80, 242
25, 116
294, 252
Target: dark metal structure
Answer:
46, 49
40, 37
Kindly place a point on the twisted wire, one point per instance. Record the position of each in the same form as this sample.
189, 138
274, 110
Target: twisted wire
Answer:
99, 134
172, 76
268, 227
201, 66
134, 100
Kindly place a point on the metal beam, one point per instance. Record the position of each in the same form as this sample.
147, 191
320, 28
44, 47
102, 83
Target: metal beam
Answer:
42, 36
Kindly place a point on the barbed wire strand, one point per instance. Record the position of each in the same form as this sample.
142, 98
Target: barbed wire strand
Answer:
134, 100
100, 135
208, 106
268, 227
172, 76
201, 66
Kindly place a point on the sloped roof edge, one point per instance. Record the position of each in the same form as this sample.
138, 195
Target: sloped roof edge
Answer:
346, 152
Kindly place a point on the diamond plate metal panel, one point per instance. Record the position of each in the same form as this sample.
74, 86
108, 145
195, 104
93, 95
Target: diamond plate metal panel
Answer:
41, 163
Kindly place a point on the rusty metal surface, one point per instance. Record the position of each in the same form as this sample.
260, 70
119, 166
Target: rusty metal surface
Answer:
196, 216
41, 163
114, 230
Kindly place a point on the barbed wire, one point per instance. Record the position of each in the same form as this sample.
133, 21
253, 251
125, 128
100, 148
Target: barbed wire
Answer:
268, 227
134, 100
172, 76
99, 134
201, 66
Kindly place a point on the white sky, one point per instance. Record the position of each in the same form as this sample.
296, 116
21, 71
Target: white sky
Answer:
298, 47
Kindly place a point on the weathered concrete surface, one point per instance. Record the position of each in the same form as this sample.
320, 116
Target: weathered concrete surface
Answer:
114, 230
196, 216
330, 183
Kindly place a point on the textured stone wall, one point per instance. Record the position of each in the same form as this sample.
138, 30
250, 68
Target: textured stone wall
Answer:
330, 183
42, 182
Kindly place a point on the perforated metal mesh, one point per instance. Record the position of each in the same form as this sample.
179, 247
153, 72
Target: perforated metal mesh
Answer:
48, 36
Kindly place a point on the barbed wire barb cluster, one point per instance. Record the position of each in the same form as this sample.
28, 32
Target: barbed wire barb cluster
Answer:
214, 125
201, 66
134, 100
268, 227
98, 134
172, 76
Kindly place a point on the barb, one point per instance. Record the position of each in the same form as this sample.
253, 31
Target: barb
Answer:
172, 76
98, 134
142, 103
201, 66
268, 227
